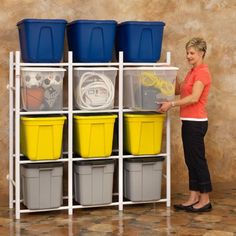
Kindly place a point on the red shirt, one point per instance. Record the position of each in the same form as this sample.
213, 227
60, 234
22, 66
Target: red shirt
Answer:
195, 111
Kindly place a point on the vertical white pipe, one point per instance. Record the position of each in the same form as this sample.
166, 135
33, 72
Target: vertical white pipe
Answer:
17, 134
168, 162
168, 58
11, 143
70, 132
120, 132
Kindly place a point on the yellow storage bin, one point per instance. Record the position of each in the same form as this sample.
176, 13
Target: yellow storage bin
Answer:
93, 135
143, 133
41, 137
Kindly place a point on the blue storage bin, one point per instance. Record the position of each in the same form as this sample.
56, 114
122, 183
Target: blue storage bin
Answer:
91, 40
140, 41
42, 40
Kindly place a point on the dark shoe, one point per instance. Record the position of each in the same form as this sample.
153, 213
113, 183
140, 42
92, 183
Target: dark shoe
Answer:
206, 208
182, 207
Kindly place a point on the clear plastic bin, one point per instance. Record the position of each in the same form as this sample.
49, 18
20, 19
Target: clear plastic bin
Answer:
146, 87
94, 88
42, 88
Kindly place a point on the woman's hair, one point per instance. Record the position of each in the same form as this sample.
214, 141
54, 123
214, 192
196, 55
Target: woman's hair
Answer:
197, 43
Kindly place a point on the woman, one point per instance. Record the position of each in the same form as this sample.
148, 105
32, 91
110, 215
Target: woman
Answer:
193, 92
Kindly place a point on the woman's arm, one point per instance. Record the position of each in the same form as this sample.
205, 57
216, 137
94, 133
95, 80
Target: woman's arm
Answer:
198, 87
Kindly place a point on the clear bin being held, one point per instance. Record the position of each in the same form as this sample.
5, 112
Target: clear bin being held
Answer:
146, 87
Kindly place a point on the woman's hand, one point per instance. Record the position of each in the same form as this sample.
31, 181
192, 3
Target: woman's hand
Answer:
165, 106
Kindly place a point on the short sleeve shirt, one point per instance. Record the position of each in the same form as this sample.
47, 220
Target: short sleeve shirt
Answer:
195, 111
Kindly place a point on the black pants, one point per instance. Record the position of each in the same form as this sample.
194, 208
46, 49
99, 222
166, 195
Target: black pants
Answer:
193, 133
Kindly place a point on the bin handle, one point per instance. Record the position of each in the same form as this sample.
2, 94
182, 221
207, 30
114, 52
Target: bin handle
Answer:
96, 166
42, 169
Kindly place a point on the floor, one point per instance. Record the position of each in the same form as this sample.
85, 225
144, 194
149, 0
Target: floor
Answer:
136, 220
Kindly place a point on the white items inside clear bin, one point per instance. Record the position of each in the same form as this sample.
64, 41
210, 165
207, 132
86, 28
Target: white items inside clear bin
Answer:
42, 88
94, 88
146, 87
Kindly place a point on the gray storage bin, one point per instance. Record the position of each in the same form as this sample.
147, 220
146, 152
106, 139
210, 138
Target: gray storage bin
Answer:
42, 185
142, 178
93, 181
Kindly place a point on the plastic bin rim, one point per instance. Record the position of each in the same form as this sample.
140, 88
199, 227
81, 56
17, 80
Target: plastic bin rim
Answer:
142, 22
32, 20
27, 118
77, 117
92, 21
152, 68
144, 159
135, 115
96, 68
43, 165
94, 162
43, 69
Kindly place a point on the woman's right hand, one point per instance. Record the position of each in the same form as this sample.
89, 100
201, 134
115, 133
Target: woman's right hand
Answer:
165, 106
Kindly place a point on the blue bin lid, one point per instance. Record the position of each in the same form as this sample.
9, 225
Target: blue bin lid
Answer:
142, 23
93, 22
57, 21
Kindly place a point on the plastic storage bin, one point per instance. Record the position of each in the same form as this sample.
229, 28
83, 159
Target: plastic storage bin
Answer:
42, 40
41, 137
94, 88
93, 182
42, 185
142, 178
146, 87
143, 133
93, 135
140, 41
42, 88
91, 40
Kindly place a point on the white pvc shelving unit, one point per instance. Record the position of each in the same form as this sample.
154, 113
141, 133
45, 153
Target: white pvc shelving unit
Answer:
15, 112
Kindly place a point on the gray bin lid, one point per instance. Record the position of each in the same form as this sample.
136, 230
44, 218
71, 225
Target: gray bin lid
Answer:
144, 159
94, 162
43, 165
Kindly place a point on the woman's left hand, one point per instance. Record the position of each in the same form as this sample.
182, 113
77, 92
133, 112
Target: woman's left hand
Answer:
165, 106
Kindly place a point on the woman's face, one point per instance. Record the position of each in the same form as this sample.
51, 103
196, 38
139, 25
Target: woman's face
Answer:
194, 56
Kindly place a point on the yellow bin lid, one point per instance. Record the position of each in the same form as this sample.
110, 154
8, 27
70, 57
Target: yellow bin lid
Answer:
94, 117
144, 115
